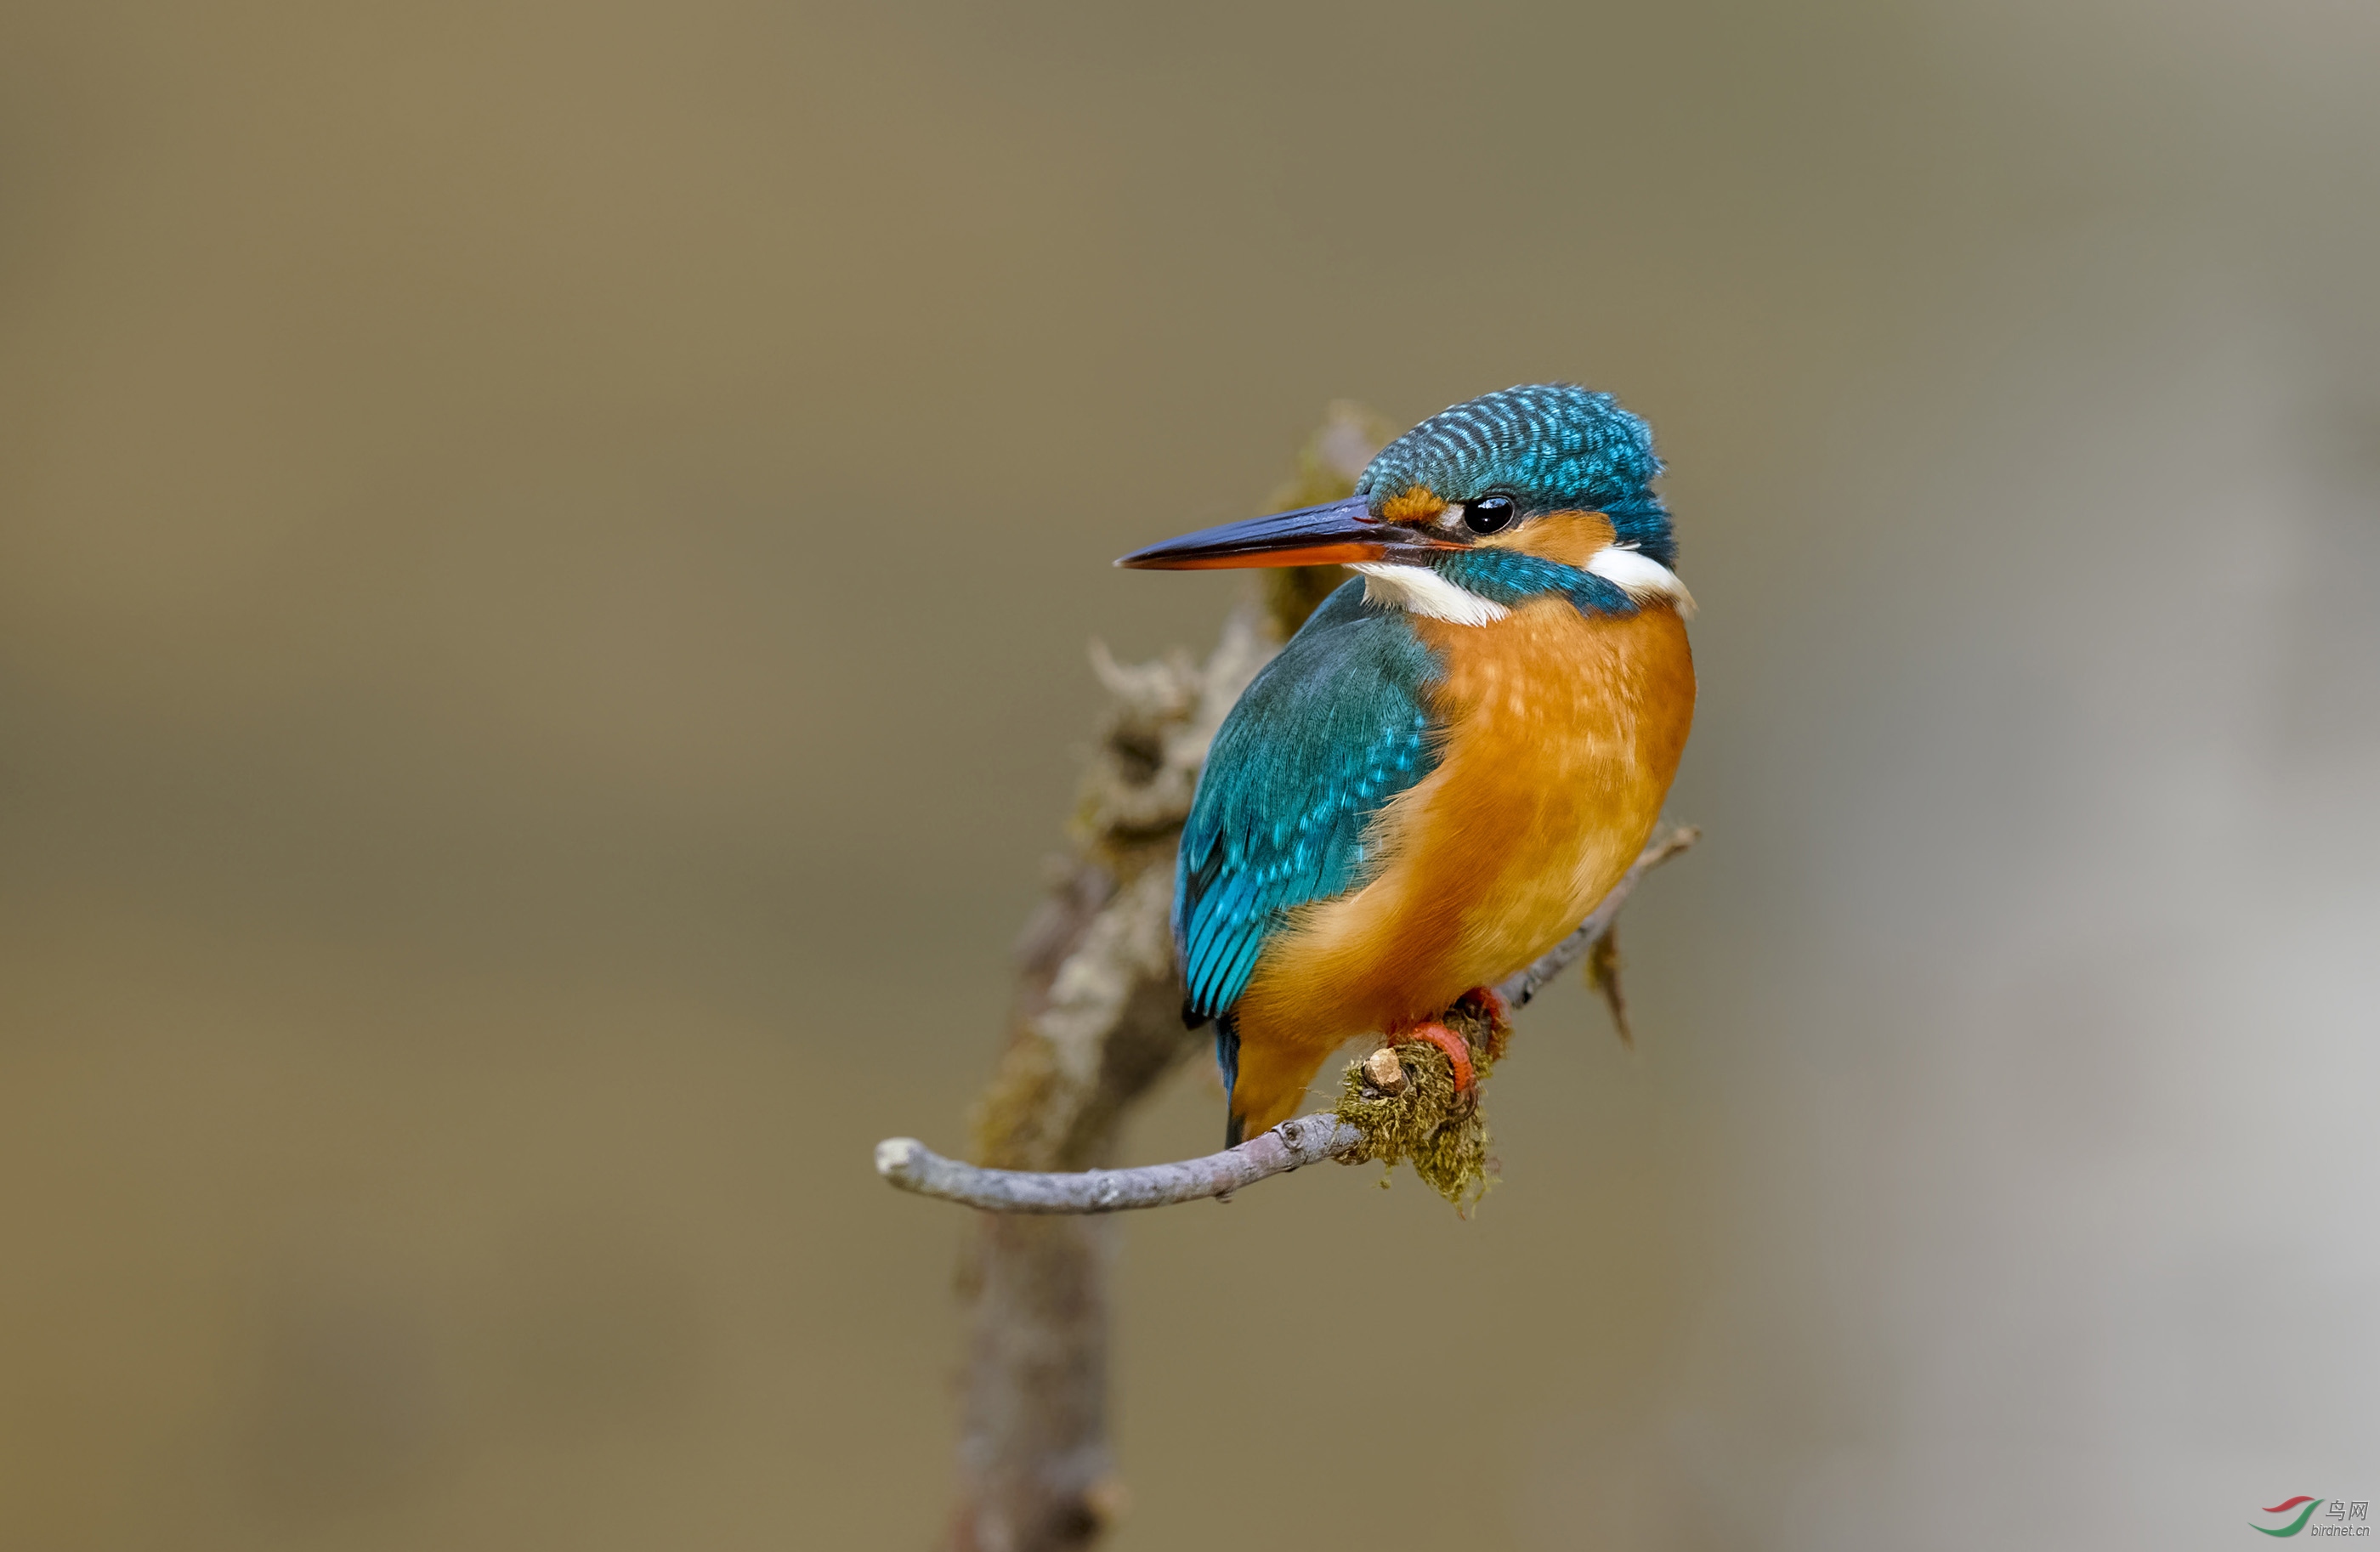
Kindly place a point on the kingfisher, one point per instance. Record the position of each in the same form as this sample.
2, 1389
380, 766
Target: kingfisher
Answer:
1455, 757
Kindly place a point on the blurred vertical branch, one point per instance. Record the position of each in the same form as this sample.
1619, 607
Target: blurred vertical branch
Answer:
1095, 1023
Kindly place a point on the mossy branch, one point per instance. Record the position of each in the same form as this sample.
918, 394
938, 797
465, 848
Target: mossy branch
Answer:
1406, 1107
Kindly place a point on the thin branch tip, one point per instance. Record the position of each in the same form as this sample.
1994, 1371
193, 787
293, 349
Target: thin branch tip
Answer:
1309, 1139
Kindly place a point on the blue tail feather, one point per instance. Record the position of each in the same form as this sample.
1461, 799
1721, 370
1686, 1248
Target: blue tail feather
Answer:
1227, 1056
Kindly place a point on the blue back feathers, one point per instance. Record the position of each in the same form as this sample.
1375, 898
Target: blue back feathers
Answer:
1551, 446
1332, 729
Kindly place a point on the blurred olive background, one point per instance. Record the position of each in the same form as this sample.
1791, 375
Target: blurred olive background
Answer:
546, 554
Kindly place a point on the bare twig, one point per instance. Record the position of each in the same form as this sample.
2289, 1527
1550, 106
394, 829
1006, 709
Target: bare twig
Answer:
912, 1166
1309, 1139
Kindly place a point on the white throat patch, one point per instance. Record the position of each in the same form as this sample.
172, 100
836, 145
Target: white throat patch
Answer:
1642, 577
1419, 589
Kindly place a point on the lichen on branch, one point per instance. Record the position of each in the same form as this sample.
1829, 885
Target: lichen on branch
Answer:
1404, 1101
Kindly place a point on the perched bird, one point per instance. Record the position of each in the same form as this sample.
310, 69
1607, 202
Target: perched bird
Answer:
1456, 755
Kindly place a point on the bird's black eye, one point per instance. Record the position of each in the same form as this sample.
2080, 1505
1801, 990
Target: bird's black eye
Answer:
1488, 515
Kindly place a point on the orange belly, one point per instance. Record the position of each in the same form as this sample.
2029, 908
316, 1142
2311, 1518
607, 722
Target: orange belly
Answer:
1563, 732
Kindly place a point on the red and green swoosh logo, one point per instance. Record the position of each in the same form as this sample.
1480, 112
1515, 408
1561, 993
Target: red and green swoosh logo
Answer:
2294, 1527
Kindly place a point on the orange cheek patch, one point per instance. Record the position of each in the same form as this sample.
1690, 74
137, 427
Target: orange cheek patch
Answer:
1412, 504
1572, 537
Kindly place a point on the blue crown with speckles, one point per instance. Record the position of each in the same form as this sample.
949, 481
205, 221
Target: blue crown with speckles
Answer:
1551, 446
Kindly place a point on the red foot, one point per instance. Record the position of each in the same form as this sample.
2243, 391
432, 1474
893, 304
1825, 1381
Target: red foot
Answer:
1457, 1051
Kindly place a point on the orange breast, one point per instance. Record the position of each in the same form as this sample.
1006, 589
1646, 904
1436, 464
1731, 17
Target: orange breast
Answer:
1562, 734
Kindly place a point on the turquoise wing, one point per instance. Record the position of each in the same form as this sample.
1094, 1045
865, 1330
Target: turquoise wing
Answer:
1332, 729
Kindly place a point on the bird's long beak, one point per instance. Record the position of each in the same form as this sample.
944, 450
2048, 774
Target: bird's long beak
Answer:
1339, 533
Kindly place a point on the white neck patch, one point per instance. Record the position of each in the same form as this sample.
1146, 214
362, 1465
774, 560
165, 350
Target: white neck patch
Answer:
1642, 577
1419, 589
